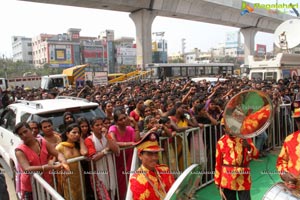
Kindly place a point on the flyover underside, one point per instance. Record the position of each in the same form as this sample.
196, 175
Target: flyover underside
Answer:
114, 5
209, 11
227, 14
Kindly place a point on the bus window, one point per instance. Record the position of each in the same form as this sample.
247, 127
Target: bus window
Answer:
176, 71
215, 71
183, 71
191, 71
200, 71
208, 70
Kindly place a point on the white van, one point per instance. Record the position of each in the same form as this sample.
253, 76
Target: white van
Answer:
56, 80
280, 67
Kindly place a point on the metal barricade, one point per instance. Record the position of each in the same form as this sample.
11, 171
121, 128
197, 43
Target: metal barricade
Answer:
194, 146
282, 125
198, 147
42, 190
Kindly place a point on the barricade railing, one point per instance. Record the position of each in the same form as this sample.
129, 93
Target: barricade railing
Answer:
194, 146
198, 147
282, 124
42, 190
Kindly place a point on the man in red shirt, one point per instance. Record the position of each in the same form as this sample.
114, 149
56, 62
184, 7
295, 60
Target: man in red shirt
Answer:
151, 181
232, 170
288, 161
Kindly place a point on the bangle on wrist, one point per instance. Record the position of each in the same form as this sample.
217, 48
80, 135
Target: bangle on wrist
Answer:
104, 152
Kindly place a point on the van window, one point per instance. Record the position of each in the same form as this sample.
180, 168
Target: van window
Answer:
9, 120
257, 75
56, 82
57, 117
270, 76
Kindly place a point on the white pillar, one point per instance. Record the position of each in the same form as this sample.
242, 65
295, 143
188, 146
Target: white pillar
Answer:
249, 36
143, 23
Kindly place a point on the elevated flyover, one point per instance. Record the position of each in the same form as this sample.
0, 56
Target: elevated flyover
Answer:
222, 12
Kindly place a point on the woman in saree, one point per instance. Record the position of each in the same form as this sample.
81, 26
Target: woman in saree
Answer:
72, 146
98, 145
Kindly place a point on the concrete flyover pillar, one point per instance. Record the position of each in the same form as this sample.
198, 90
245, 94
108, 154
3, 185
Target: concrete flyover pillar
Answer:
143, 23
249, 36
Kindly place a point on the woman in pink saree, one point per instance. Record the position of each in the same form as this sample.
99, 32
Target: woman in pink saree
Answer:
125, 136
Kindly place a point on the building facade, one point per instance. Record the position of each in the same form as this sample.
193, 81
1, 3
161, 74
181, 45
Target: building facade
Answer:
94, 52
61, 50
160, 51
22, 49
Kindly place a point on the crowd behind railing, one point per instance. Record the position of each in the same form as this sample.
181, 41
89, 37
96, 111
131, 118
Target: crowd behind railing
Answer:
200, 150
185, 114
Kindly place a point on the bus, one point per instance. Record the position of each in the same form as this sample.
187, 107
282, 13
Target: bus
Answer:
177, 70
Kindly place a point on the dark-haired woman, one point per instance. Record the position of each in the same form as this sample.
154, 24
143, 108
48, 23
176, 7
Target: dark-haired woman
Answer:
107, 107
138, 112
68, 118
85, 127
168, 155
124, 136
72, 146
98, 146
180, 122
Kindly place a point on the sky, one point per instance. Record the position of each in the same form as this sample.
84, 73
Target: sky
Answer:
29, 19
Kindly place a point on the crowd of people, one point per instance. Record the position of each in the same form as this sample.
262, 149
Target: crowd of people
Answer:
133, 110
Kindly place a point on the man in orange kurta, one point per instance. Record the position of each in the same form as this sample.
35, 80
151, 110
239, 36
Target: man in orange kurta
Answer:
232, 171
151, 181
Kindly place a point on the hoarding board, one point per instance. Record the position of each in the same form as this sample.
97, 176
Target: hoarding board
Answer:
60, 55
100, 78
88, 76
261, 49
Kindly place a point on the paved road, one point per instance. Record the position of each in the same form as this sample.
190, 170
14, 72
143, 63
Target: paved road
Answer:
10, 187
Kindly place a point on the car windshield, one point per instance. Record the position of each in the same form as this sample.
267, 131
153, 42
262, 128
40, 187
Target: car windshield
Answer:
57, 117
